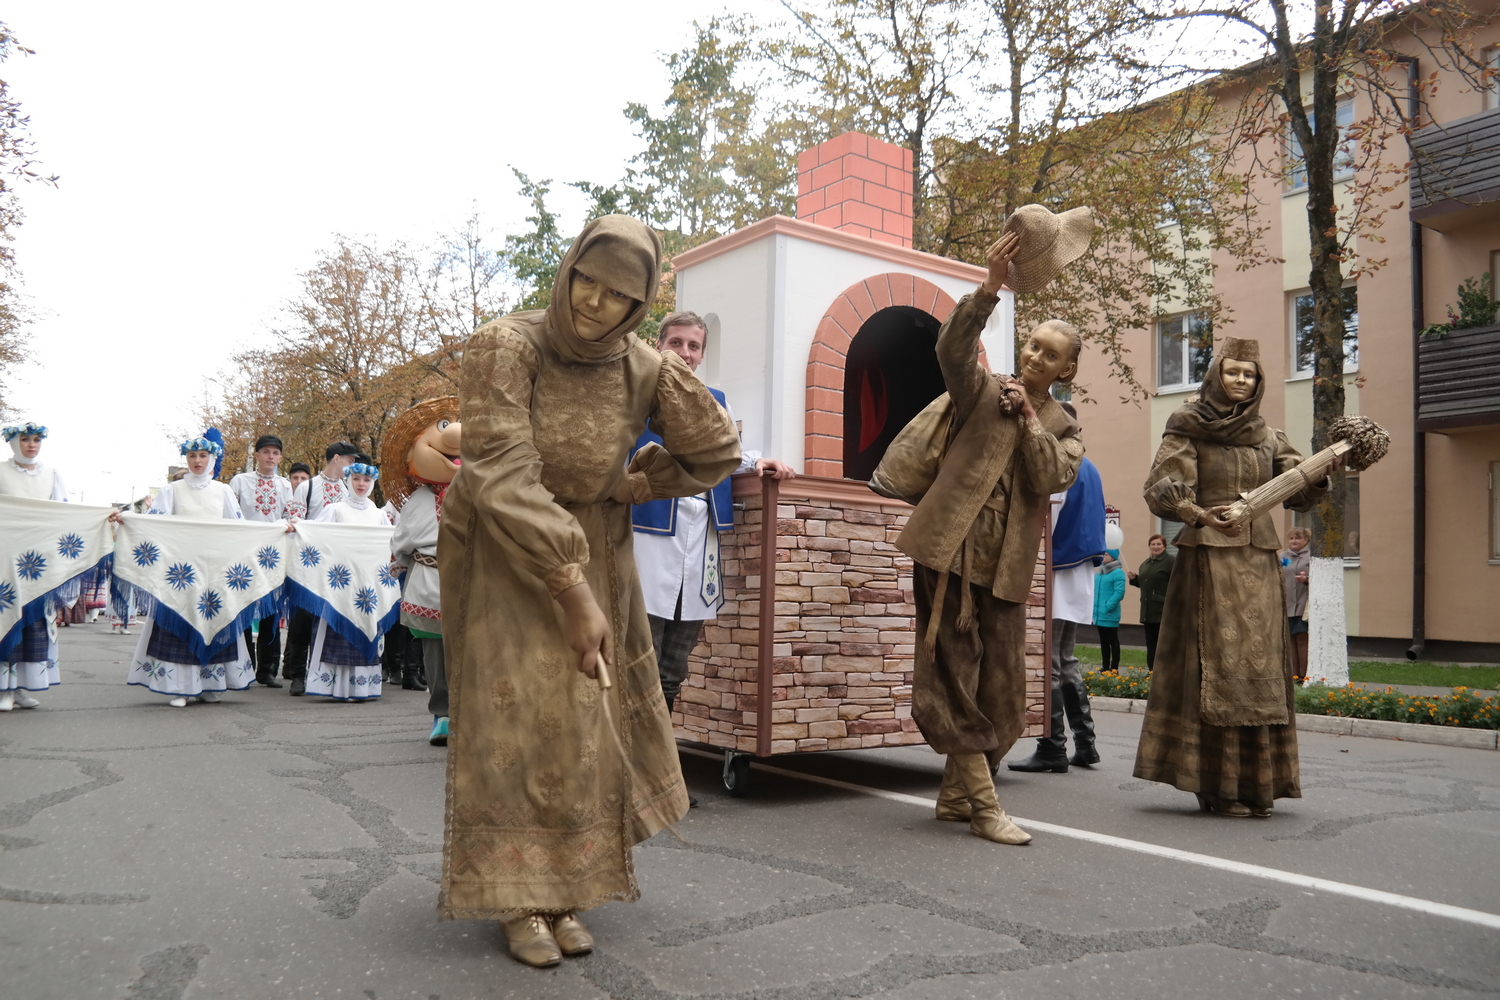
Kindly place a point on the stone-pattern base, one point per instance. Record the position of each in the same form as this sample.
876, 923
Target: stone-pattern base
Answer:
843, 628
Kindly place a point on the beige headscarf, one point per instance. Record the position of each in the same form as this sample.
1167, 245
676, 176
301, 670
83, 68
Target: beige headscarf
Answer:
1211, 415
620, 252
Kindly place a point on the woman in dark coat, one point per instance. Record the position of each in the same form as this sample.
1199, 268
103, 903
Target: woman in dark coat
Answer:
1152, 578
1221, 717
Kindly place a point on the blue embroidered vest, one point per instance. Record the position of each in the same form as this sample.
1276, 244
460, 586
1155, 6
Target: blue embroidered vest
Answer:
659, 517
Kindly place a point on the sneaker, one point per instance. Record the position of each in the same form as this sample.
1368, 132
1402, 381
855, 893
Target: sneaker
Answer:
439, 734
24, 700
7, 701
209, 696
178, 702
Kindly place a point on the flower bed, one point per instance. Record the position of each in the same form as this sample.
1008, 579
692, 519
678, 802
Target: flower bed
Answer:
1463, 708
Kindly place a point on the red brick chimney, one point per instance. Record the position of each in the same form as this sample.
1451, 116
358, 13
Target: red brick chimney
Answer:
859, 184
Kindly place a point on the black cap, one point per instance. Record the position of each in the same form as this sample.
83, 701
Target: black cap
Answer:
268, 441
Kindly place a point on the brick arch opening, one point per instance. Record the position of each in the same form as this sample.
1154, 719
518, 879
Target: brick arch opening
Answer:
828, 358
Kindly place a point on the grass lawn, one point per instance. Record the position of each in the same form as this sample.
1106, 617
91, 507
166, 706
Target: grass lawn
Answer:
1365, 671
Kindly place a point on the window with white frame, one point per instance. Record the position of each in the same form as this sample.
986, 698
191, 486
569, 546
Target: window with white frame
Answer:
1495, 512
1184, 347
1492, 91
1304, 346
1343, 159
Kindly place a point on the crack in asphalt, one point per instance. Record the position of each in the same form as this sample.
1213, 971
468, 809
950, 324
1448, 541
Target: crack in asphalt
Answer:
1240, 926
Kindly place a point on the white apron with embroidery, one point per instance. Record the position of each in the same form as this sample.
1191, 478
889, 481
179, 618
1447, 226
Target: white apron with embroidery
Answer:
45, 548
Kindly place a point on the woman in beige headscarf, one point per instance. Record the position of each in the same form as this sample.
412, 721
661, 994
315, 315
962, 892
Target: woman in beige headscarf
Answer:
1221, 717
539, 585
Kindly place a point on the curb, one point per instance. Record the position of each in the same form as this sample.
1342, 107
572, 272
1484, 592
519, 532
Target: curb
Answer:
1410, 732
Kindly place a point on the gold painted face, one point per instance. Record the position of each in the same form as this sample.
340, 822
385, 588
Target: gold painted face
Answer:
1046, 357
1239, 378
434, 454
598, 310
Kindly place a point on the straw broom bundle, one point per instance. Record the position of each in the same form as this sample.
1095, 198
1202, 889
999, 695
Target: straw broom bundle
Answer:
1359, 441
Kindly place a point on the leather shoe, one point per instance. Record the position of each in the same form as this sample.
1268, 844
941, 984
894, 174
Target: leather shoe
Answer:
572, 937
299, 687
267, 680
1084, 755
1037, 763
531, 941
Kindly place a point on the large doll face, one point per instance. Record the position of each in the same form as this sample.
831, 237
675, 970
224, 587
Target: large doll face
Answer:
434, 454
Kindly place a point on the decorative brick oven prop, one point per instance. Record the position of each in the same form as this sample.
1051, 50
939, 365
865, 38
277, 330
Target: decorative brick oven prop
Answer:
830, 633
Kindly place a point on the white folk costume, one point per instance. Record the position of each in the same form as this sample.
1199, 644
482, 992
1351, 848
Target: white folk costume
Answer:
262, 498
415, 547
309, 499
165, 662
35, 665
341, 668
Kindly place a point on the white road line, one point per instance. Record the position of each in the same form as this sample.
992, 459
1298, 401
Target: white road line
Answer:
1479, 917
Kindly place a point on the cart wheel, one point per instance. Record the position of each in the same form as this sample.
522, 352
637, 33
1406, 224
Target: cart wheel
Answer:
736, 773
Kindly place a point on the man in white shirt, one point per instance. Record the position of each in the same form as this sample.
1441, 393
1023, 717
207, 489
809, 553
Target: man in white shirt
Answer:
676, 541
264, 495
308, 500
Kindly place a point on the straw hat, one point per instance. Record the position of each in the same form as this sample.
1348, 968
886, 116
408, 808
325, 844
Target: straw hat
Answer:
398, 481
1049, 243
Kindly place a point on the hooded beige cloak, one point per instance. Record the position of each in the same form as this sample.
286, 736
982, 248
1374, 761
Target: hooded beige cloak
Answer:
541, 811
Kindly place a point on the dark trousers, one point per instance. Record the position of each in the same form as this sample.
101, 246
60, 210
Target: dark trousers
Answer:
674, 641
437, 676
969, 695
1069, 696
265, 646
1153, 629
1109, 646
299, 636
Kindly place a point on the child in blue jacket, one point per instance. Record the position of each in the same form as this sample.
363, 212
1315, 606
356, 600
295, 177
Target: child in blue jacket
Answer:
1109, 591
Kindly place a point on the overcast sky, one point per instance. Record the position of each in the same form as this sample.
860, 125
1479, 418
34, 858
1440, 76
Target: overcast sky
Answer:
207, 152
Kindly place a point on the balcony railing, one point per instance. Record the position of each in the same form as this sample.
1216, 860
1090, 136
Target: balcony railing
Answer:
1455, 176
1458, 380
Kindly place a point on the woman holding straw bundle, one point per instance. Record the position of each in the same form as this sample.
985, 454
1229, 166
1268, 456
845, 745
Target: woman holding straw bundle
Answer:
1221, 717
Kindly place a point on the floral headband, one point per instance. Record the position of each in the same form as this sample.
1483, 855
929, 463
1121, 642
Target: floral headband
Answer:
23, 430
361, 469
201, 444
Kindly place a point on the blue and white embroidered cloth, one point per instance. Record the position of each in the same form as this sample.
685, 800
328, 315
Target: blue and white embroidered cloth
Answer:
44, 545
209, 579
341, 573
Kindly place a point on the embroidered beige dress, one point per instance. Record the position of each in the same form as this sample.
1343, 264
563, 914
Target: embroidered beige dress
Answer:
541, 812
1220, 719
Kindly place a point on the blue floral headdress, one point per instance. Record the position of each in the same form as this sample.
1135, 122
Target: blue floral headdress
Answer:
28, 428
361, 469
201, 444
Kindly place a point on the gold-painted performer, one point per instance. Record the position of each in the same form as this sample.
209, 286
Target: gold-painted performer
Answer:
539, 584
1221, 717
974, 535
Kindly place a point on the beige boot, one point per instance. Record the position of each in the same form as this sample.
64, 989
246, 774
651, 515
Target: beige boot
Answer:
989, 820
952, 803
531, 941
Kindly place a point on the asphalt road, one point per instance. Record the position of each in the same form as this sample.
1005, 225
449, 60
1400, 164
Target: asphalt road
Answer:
271, 847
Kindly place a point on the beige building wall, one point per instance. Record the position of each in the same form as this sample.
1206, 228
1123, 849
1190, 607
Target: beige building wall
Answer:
1463, 595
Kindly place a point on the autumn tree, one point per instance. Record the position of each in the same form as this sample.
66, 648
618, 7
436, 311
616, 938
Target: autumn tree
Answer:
374, 330
1325, 95
18, 165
